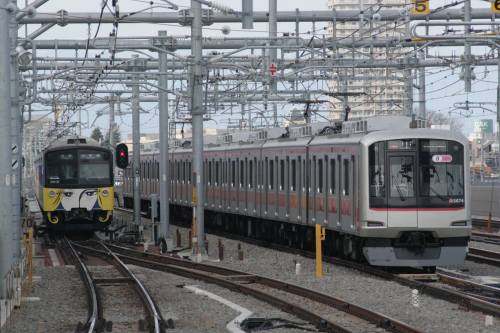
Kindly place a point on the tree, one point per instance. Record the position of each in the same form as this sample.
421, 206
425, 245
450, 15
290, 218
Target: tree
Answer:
97, 135
116, 136
438, 118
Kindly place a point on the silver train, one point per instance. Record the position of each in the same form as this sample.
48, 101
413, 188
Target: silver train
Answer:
395, 197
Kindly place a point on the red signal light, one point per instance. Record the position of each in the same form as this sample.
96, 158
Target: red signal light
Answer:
122, 153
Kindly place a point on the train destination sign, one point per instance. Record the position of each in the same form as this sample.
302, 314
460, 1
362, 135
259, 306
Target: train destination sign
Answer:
442, 158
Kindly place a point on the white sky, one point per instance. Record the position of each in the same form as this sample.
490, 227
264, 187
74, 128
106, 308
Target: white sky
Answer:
443, 89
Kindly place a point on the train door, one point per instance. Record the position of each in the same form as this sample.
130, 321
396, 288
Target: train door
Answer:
311, 191
242, 193
259, 177
273, 188
252, 166
401, 190
346, 194
233, 184
331, 209
321, 190
294, 190
265, 188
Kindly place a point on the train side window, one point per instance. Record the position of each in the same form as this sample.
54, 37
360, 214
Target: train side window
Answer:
346, 177
217, 173
224, 172
293, 176
250, 174
183, 172
189, 173
282, 175
210, 172
233, 173
320, 176
332, 176
271, 174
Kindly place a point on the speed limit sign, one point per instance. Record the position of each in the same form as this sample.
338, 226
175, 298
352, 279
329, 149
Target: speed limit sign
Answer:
495, 6
422, 7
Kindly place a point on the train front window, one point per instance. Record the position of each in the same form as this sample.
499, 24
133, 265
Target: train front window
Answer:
416, 173
94, 167
441, 173
402, 178
61, 168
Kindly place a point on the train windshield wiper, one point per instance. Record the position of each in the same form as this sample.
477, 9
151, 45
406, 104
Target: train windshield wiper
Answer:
440, 196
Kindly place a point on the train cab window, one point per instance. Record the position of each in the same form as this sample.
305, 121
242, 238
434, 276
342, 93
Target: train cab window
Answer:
402, 177
271, 174
293, 177
376, 162
332, 176
320, 176
61, 168
346, 177
441, 173
282, 175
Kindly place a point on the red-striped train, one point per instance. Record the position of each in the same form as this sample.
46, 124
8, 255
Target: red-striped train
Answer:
396, 197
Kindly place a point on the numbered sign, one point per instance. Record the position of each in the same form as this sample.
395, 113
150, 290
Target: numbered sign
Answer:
422, 7
495, 6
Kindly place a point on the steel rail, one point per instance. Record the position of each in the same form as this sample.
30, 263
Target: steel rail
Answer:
373, 317
488, 292
224, 281
155, 319
93, 303
484, 256
471, 302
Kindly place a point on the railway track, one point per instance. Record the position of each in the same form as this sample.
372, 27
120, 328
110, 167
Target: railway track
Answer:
96, 322
288, 297
468, 294
484, 256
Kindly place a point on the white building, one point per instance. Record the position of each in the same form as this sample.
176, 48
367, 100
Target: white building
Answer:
382, 90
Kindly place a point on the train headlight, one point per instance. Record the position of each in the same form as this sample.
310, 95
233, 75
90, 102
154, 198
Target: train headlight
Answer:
52, 194
105, 193
68, 194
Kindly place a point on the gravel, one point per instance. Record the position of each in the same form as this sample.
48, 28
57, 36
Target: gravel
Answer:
389, 298
62, 303
193, 313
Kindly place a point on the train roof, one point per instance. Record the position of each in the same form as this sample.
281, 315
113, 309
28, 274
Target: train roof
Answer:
362, 131
74, 142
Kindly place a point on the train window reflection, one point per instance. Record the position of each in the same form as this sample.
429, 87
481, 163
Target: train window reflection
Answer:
61, 168
402, 177
377, 170
441, 170
95, 170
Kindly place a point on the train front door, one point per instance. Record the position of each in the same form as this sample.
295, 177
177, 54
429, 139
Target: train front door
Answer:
401, 184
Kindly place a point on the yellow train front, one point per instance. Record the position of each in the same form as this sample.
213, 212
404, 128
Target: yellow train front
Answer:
74, 185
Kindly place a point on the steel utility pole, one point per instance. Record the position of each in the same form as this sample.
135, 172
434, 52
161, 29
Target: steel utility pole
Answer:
421, 87
136, 66
164, 231
16, 140
197, 129
111, 131
467, 49
273, 53
5, 151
